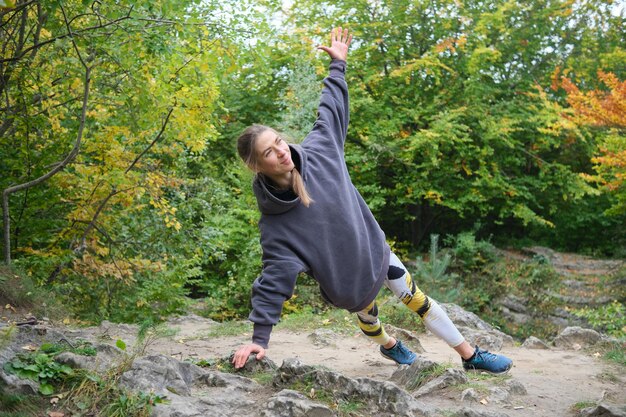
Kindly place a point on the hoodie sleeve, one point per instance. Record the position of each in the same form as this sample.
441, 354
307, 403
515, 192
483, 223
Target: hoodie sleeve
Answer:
333, 113
269, 291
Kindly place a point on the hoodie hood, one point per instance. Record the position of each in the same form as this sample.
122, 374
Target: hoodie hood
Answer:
270, 204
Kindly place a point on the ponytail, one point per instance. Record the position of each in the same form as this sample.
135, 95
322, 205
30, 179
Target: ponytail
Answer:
297, 183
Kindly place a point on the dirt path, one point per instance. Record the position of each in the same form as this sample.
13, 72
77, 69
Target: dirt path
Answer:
555, 379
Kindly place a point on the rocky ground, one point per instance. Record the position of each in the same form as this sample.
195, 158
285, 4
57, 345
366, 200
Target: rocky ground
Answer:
327, 372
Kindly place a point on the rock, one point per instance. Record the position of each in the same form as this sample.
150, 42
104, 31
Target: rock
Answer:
515, 387
22, 336
379, 396
534, 343
604, 410
514, 303
491, 341
12, 384
253, 365
189, 389
449, 378
475, 330
576, 338
162, 375
470, 395
499, 395
289, 403
409, 338
469, 412
409, 376
107, 357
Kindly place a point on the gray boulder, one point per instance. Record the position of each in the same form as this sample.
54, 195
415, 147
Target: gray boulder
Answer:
449, 378
475, 330
289, 403
470, 412
383, 398
576, 338
533, 342
107, 357
604, 410
412, 376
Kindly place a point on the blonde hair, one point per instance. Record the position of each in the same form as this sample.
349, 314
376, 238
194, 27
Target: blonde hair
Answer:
246, 145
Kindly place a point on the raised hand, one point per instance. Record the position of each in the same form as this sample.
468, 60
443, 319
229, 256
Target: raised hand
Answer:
339, 43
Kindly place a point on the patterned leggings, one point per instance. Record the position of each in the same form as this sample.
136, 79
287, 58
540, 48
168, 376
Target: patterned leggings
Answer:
399, 281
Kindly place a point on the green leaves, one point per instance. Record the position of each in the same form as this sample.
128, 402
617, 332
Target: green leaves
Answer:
39, 367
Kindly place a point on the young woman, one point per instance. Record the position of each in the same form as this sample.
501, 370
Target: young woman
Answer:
314, 220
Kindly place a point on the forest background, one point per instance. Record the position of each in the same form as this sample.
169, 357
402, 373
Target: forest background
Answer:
483, 122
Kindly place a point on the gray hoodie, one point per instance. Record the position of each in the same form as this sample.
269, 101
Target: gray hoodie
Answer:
336, 239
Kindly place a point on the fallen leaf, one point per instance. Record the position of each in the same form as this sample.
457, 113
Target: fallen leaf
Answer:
56, 414
30, 348
484, 401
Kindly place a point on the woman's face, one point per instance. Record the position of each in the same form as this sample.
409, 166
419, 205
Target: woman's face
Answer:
273, 154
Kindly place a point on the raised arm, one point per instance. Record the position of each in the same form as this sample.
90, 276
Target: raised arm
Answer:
333, 111
339, 43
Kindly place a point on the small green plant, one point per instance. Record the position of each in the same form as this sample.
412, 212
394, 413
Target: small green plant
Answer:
350, 408
616, 354
436, 267
609, 318
132, 404
6, 335
583, 404
39, 367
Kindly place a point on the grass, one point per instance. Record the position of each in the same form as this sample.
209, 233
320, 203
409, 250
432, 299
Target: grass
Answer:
17, 405
20, 291
616, 354
234, 328
583, 404
335, 319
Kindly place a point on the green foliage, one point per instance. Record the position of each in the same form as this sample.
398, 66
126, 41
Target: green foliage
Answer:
436, 266
616, 354
474, 281
583, 404
608, 318
452, 120
132, 404
41, 368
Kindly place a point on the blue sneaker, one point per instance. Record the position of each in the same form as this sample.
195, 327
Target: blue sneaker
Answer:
400, 354
488, 362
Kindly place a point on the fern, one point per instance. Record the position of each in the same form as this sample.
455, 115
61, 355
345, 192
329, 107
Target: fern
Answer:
435, 268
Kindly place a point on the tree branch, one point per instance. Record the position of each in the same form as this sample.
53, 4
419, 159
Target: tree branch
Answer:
158, 136
69, 158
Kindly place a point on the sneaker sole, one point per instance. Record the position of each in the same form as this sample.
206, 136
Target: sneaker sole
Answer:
489, 372
389, 358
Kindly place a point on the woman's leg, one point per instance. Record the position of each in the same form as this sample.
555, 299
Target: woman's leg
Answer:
436, 320
390, 348
371, 326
